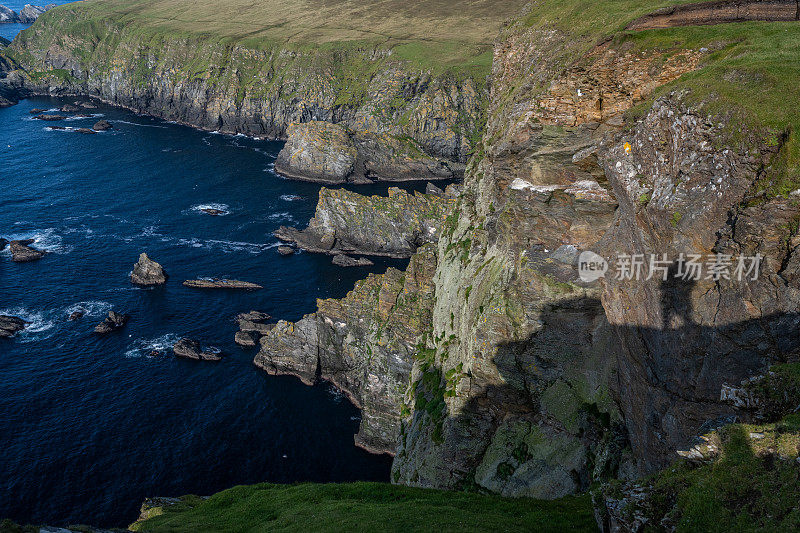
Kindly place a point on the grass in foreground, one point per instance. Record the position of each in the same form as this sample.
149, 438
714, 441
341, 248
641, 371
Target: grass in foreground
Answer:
368, 507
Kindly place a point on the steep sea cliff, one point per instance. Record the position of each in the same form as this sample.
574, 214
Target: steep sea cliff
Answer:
635, 130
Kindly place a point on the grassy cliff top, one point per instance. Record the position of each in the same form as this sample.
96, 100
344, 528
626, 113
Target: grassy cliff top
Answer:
449, 32
366, 507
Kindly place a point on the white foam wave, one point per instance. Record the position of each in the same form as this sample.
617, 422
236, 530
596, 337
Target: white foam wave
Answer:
291, 197
283, 217
201, 208
47, 239
151, 348
141, 125
94, 308
40, 325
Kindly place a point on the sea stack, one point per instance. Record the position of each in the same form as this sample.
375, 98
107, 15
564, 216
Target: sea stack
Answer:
147, 272
113, 322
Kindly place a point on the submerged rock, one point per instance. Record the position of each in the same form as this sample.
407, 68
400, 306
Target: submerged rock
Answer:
36, 111
85, 131
221, 284
147, 272
191, 349
212, 211
21, 252
75, 315
11, 325
113, 322
347, 261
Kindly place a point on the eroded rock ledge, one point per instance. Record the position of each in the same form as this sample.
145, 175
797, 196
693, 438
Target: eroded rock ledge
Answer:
720, 12
394, 225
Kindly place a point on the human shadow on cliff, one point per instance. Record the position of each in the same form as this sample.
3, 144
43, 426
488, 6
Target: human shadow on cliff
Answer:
664, 380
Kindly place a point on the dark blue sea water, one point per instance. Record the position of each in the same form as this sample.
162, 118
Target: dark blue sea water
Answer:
90, 425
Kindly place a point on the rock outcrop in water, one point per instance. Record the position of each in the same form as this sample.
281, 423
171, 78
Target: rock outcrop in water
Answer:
22, 252
221, 284
112, 322
147, 272
394, 225
11, 325
252, 326
192, 349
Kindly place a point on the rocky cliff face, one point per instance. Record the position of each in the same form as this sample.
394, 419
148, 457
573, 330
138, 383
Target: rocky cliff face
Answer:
257, 91
531, 381
394, 225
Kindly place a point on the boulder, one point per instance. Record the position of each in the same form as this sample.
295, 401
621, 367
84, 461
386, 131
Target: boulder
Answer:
85, 131
147, 272
102, 125
285, 250
49, 117
21, 252
36, 111
89, 105
347, 261
11, 325
213, 212
221, 284
112, 322
69, 108
191, 349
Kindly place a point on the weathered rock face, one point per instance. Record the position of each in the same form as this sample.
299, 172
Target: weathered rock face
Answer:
30, 13
394, 225
683, 340
440, 114
147, 272
22, 252
329, 153
11, 325
364, 344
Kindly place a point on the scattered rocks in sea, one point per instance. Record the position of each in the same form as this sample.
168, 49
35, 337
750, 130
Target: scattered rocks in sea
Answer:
252, 326
112, 322
36, 111
11, 325
56, 128
102, 125
49, 117
191, 349
21, 251
285, 250
86, 131
343, 260
69, 108
147, 272
220, 284
83, 115
76, 315
213, 212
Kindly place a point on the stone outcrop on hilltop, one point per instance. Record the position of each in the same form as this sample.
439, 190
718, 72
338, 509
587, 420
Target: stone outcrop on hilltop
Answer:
394, 225
392, 120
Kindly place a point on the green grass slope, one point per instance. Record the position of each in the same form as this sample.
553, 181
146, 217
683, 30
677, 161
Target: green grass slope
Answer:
367, 507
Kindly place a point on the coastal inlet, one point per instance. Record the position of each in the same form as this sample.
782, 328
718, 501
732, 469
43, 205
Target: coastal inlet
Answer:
92, 424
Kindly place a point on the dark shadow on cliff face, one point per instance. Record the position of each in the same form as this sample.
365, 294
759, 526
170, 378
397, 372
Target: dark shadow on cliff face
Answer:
566, 380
